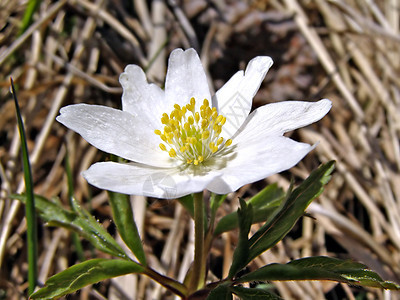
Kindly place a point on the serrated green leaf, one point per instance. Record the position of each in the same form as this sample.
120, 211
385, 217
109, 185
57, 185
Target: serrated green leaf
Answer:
240, 256
72, 202
254, 294
320, 268
265, 203
123, 218
78, 221
290, 211
83, 274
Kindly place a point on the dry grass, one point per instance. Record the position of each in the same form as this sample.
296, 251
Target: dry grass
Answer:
74, 51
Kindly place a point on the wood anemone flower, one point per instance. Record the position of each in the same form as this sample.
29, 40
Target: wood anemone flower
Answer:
182, 140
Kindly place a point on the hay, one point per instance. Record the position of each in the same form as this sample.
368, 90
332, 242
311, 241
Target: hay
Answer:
347, 51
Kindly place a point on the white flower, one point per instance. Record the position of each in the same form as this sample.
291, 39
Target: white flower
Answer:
176, 144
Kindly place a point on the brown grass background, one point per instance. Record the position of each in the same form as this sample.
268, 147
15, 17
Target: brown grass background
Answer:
344, 50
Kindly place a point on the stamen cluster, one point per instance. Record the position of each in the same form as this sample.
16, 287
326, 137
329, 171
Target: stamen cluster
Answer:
192, 136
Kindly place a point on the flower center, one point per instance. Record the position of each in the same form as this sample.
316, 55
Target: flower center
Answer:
190, 135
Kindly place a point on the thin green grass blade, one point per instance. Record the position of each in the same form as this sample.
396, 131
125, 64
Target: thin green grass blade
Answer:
156, 55
30, 201
28, 15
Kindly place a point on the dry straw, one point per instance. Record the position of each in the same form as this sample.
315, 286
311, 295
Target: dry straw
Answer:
347, 51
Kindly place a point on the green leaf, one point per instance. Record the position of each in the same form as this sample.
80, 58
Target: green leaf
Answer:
83, 274
123, 218
290, 211
74, 236
215, 202
265, 203
222, 292
270, 196
254, 294
187, 202
78, 221
320, 268
240, 256
30, 199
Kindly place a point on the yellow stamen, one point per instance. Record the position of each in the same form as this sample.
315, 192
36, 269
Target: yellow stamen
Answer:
205, 135
164, 120
204, 123
172, 152
223, 121
213, 147
192, 136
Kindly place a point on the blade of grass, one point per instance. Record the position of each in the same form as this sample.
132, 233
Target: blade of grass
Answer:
155, 56
30, 202
28, 15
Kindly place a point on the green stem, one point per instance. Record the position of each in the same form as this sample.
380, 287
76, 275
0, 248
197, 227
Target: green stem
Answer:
174, 286
199, 264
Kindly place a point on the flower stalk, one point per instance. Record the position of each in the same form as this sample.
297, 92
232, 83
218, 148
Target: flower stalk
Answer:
199, 264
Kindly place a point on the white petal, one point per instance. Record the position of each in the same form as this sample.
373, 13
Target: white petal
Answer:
137, 179
185, 78
142, 98
257, 160
235, 98
278, 118
115, 131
